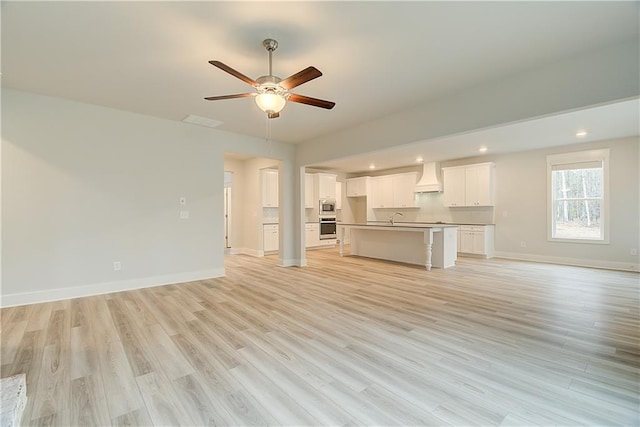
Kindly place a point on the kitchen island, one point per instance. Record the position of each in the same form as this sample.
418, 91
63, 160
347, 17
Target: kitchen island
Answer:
431, 245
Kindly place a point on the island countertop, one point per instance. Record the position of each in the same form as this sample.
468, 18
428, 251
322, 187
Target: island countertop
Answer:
397, 224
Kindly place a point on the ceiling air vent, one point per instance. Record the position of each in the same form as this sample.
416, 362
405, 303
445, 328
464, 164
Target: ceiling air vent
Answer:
201, 121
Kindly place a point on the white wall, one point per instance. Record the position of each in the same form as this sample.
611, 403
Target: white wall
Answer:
83, 186
521, 208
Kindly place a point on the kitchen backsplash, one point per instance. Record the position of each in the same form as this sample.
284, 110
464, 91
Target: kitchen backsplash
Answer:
269, 214
432, 209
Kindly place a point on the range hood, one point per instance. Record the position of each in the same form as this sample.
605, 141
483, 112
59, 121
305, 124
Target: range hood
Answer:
430, 181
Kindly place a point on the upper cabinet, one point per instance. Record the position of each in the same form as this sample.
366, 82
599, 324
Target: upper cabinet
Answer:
357, 187
325, 186
479, 185
469, 185
393, 191
309, 199
454, 186
381, 192
403, 187
269, 178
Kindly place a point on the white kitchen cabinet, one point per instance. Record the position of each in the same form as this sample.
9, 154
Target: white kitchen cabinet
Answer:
393, 191
312, 235
270, 237
470, 185
358, 187
476, 240
269, 188
479, 185
338, 195
403, 188
309, 199
325, 185
381, 191
454, 186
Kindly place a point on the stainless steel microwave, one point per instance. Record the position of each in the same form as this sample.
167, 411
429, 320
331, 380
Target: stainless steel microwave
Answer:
327, 207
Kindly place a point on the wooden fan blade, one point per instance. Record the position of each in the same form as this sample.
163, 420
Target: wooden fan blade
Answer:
300, 77
311, 101
273, 115
234, 73
238, 95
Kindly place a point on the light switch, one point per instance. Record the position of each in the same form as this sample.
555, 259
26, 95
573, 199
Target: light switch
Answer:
184, 214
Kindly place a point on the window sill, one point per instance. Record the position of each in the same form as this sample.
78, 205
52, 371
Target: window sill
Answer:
587, 241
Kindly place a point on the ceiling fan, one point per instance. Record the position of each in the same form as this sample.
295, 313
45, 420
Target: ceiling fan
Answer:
272, 91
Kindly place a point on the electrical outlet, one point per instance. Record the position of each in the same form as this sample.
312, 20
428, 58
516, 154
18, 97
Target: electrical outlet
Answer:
117, 266
523, 244
633, 251
184, 214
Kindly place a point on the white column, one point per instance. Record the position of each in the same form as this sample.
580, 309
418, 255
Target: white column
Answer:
287, 200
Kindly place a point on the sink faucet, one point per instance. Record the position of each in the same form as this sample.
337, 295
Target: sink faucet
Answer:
392, 217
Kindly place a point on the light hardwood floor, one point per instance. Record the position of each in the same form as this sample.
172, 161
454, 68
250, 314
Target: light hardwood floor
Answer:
344, 341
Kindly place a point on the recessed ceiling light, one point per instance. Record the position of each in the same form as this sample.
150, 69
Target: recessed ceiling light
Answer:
581, 134
482, 149
372, 166
419, 159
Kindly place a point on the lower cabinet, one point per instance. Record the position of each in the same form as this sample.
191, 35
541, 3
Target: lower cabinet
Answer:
270, 238
476, 240
312, 235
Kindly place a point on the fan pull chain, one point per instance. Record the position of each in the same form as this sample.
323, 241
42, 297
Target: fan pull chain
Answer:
268, 137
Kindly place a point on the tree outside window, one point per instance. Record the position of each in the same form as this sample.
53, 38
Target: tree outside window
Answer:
577, 196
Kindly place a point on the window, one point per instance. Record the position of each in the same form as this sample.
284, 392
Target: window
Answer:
578, 196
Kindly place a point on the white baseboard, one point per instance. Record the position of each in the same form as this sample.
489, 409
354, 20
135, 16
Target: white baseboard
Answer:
288, 263
578, 262
247, 251
256, 253
106, 287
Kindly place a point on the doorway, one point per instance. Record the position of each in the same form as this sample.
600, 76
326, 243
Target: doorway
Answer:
228, 206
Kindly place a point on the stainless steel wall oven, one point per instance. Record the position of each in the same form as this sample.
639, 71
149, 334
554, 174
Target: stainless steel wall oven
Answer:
328, 228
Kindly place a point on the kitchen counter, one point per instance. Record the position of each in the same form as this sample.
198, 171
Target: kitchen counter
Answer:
398, 224
431, 245
426, 223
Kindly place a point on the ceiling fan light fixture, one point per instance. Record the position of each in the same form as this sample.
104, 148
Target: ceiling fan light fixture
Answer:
270, 102
273, 92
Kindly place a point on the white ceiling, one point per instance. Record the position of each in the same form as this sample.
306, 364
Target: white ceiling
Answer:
377, 57
611, 121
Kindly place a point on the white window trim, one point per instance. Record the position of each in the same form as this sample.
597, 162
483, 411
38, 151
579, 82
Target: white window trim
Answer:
578, 157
